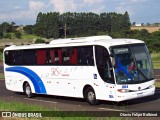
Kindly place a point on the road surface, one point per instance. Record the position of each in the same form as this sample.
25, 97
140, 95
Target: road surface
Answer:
150, 103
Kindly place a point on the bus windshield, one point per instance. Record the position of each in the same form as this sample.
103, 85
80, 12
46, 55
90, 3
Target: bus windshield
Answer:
132, 64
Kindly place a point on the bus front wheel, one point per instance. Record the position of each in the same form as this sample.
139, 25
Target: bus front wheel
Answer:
27, 90
90, 96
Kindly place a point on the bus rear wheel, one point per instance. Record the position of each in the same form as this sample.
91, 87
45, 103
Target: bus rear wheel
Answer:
27, 90
90, 96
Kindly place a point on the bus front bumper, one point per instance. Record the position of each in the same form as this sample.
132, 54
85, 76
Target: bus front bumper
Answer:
134, 95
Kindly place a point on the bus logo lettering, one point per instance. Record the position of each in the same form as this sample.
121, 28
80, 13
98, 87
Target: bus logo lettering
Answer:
55, 71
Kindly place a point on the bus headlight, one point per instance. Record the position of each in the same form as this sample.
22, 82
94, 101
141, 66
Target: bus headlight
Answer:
123, 90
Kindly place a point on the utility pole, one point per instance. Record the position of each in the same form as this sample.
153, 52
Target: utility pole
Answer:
65, 30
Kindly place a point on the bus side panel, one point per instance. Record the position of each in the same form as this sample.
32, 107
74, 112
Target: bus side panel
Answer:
14, 81
67, 80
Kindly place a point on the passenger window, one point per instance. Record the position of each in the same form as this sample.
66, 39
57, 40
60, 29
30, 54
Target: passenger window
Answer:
29, 57
85, 55
66, 52
60, 56
9, 57
52, 56
18, 57
41, 57
56, 56
73, 56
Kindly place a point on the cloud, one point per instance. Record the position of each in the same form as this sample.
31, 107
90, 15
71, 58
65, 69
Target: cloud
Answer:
77, 5
18, 7
36, 5
63, 5
130, 6
123, 7
137, 1
93, 1
95, 6
21, 13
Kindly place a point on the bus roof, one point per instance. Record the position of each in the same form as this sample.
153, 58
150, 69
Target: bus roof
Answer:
92, 40
80, 39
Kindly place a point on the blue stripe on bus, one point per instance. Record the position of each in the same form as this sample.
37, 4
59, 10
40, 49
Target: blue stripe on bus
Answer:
35, 79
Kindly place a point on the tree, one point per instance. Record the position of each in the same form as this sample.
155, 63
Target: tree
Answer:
4, 27
80, 24
28, 29
126, 24
134, 24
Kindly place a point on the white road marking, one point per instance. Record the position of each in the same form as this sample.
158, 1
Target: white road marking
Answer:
157, 75
109, 109
40, 100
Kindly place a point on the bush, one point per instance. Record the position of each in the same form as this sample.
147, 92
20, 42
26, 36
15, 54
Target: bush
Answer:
7, 35
40, 40
18, 35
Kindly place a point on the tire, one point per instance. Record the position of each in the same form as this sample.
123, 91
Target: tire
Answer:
27, 90
90, 96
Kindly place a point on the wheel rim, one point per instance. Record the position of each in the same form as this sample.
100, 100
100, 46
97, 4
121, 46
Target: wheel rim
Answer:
91, 96
28, 90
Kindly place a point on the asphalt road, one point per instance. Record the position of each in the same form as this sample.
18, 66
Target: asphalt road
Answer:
157, 74
150, 103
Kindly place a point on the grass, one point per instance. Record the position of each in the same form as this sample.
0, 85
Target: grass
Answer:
156, 60
29, 36
1, 76
15, 106
25, 108
25, 39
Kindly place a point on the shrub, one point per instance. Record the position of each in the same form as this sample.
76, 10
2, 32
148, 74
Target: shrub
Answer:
39, 40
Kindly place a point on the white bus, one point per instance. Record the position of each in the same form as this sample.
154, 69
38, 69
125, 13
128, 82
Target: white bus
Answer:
95, 68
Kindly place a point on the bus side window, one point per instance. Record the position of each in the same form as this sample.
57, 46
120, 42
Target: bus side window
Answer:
56, 58
73, 56
41, 57
9, 57
60, 56
85, 55
18, 57
81, 57
29, 57
89, 55
52, 55
66, 52
48, 57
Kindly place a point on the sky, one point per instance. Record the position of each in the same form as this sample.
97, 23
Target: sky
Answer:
24, 12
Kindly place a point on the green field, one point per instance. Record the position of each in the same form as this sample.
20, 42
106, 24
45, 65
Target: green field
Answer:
156, 60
